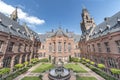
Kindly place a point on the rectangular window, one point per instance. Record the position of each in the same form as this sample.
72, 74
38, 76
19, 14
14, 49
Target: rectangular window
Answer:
59, 47
64, 46
10, 47
107, 46
19, 47
118, 45
93, 47
50, 47
1, 42
99, 47
69, 47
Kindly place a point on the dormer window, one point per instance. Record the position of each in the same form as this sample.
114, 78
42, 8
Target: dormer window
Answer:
118, 21
94, 33
0, 20
100, 30
18, 30
108, 26
10, 26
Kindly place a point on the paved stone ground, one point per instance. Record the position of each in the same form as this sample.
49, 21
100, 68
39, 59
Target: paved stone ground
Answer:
90, 73
45, 75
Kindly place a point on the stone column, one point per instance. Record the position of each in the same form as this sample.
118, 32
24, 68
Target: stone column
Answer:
26, 57
20, 59
4, 49
12, 63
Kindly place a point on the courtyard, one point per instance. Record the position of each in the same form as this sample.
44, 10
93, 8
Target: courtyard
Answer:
40, 70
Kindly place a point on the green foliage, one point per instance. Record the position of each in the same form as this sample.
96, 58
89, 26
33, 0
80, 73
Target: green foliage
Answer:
83, 58
101, 66
17, 66
14, 75
83, 62
75, 67
34, 60
43, 67
4, 71
70, 59
26, 63
73, 59
87, 60
31, 78
101, 73
115, 71
92, 62
85, 78
44, 60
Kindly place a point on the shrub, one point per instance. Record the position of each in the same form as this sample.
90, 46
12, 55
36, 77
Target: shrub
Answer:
17, 66
14, 75
73, 59
83, 58
34, 60
115, 71
26, 63
83, 62
44, 60
4, 71
101, 66
101, 73
87, 60
92, 62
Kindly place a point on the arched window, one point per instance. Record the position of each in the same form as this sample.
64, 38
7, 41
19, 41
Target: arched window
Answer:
16, 60
23, 58
7, 61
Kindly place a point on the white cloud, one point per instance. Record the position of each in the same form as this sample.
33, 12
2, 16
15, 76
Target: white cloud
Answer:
8, 9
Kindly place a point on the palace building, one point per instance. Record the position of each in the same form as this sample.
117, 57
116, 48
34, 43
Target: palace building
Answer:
101, 43
59, 45
18, 43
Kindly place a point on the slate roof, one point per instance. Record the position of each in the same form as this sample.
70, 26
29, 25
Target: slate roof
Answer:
59, 32
14, 28
110, 25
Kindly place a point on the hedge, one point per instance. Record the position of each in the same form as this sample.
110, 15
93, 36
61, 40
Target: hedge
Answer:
115, 71
101, 66
101, 73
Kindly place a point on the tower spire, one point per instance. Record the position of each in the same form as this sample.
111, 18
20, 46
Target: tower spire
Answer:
14, 15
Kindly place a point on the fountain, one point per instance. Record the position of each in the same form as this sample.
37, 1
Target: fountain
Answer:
59, 73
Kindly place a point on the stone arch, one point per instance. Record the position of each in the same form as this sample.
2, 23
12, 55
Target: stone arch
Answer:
28, 57
23, 58
118, 62
16, 59
7, 61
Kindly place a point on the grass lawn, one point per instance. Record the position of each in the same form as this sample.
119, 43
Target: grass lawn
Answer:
31, 78
86, 78
75, 67
43, 67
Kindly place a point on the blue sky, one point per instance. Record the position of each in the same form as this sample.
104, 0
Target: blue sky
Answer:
50, 14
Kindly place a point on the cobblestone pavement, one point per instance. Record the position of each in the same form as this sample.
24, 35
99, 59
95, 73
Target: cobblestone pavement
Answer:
89, 73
